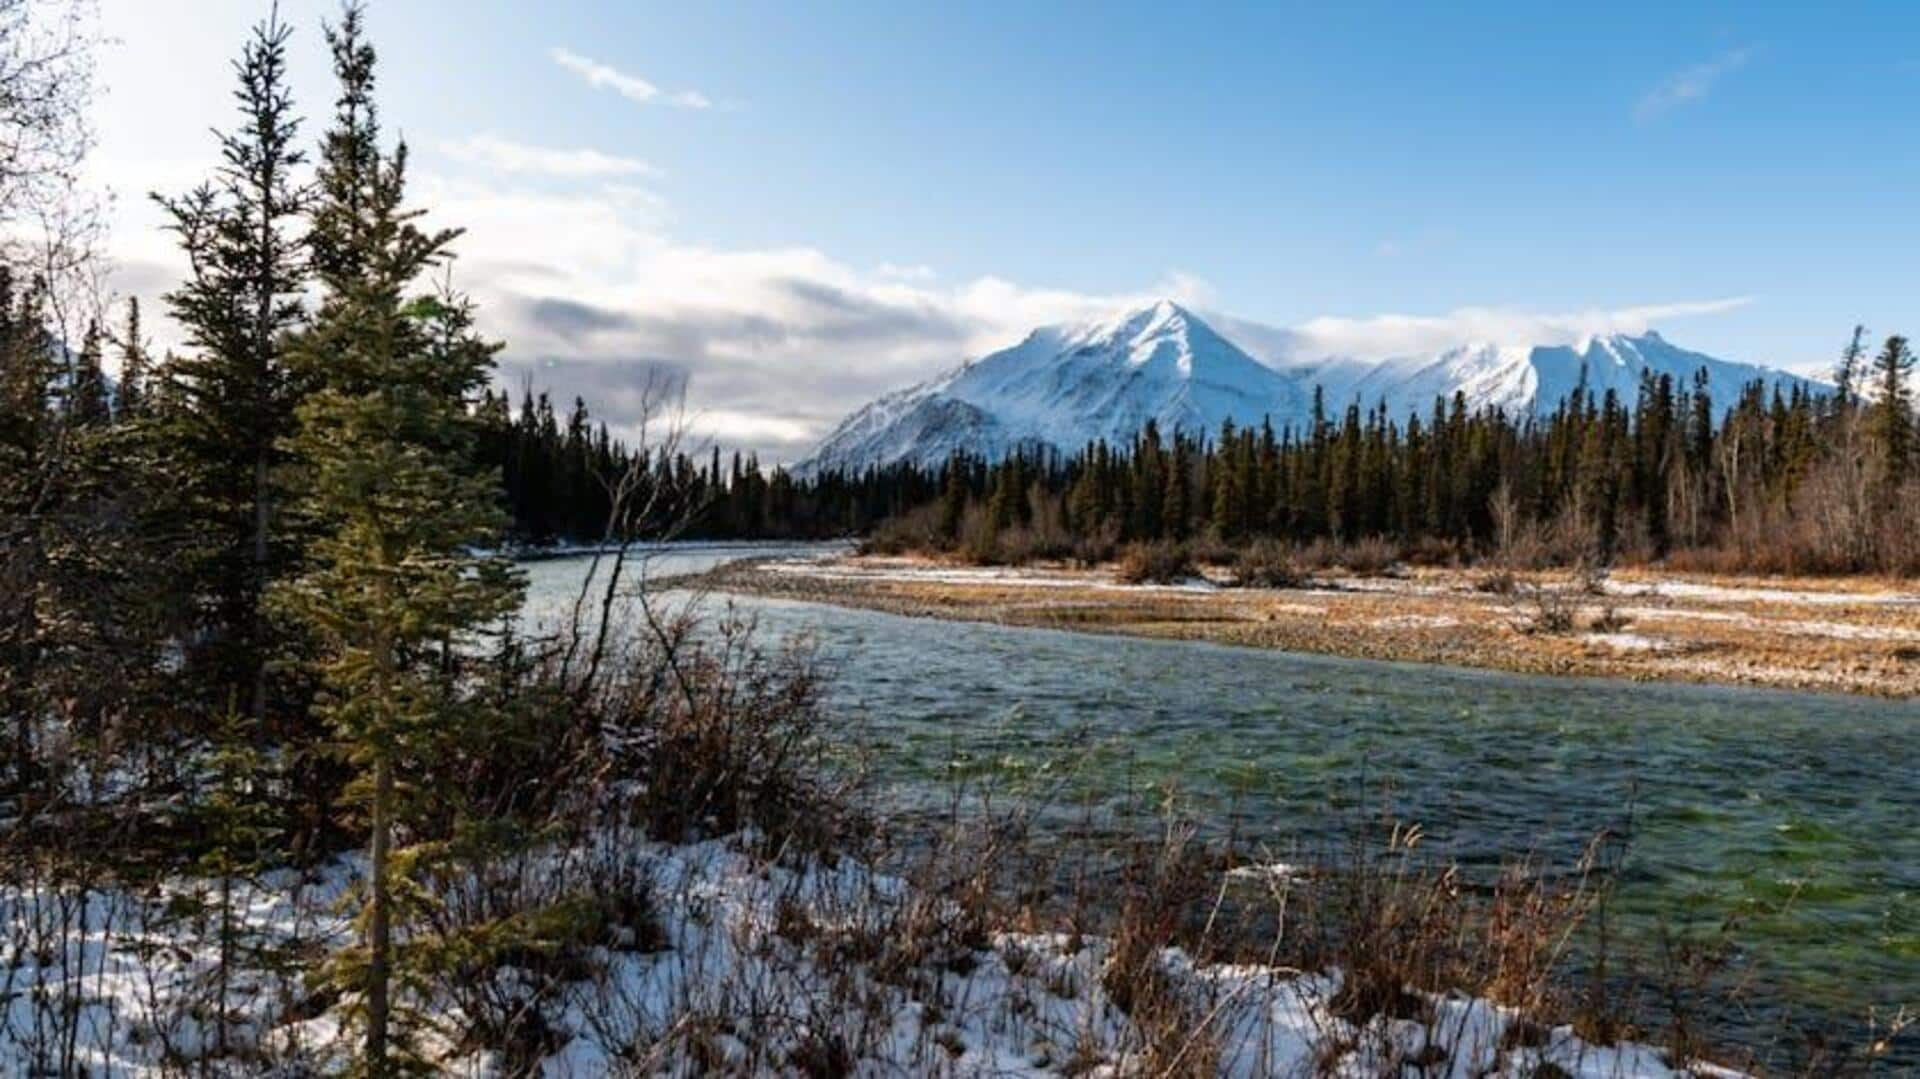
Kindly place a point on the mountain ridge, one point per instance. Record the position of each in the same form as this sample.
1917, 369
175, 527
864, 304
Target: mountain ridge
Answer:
1064, 386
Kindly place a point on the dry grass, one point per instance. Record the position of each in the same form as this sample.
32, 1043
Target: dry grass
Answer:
1451, 616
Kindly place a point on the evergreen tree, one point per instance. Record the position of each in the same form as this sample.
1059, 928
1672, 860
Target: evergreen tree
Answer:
235, 394
1847, 373
88, 407
31, 431
1893, 409
130, 396
386, 441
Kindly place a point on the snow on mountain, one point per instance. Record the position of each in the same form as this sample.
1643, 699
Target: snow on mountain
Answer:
1065, 386
1517, 378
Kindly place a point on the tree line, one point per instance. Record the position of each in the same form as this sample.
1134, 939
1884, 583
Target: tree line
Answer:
1793, 480
556, 477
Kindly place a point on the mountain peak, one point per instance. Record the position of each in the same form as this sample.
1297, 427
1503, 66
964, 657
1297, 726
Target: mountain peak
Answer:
1165, 309
1157, 319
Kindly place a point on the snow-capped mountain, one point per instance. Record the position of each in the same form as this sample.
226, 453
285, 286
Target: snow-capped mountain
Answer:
1517, 378
1065, 386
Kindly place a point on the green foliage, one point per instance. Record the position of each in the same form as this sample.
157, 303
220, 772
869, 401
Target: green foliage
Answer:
384, 445
229, 399
1893, 419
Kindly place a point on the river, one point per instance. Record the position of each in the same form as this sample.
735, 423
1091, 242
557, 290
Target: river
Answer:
1797, 815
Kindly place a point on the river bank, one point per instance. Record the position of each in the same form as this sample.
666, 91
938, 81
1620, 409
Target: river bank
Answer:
1856, 636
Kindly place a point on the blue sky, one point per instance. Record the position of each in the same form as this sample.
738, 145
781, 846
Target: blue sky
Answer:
938, 177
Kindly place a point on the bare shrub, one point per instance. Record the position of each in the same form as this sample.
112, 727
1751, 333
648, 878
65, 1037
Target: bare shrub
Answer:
1549, 611
1398, 922
1097, 547
721, 735
917, 530
1531, 546
1208, 549
1372, 556
1267, 564
1433, 551
1160, 562
1590, 577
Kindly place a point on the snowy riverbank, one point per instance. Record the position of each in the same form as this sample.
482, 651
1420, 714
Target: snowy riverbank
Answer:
747, 967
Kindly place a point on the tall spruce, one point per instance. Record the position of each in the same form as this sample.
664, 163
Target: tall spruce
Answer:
233, 388
31, 429
1852, 366
136, 367
386, 443
88, 406
1893, 417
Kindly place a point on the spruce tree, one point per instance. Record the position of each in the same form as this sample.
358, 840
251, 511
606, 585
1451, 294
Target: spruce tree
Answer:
31, 432
88, 407
1893, 410
386, 442
236, 396
1847, 373
130, 396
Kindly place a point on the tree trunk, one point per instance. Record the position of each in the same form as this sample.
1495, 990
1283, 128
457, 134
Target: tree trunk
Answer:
380, 919
226, 958
20, 682
258, 706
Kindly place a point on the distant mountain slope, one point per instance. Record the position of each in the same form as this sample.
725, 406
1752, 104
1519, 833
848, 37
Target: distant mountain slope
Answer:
1065, 386
1522, 377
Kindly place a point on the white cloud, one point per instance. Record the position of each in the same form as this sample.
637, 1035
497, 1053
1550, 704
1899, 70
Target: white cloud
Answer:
593, 294
632, 87
506, 155
1690, 84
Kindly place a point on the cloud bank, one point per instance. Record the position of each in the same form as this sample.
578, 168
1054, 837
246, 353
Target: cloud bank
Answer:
594, 297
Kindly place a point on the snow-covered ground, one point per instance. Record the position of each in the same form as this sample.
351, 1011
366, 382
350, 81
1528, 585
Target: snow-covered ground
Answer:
900, 572
755, 967
1712, 593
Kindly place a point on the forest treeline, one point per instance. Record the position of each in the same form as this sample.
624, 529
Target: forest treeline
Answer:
1802, 480
560, 476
